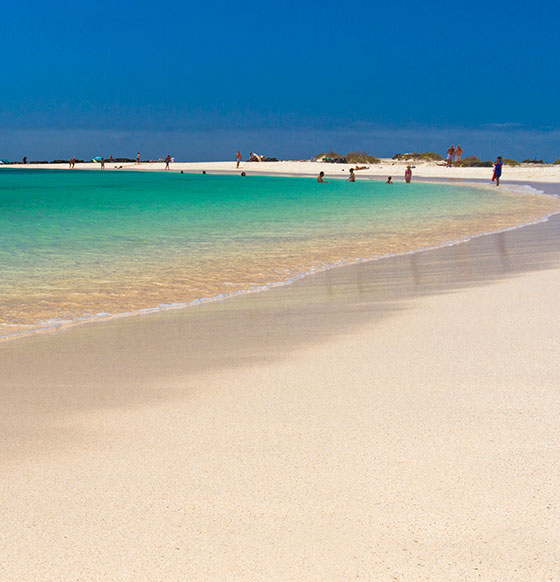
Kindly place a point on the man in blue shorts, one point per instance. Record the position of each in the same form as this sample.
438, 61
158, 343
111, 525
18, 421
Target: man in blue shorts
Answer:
497, 170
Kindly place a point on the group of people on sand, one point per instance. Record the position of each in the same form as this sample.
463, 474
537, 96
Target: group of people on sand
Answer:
253, 157
167, 160
454, 154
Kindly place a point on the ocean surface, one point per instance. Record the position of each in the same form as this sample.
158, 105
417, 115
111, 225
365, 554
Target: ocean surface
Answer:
79, 246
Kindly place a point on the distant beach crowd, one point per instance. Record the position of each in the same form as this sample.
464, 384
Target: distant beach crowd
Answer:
454, 156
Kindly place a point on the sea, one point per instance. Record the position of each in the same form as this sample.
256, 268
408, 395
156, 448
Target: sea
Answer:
83, 246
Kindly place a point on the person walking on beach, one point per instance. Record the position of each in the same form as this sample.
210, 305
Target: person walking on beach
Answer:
352, 176
102, 163
497, 170
238, 158
408, 175
320, 178
138, 158
450, 154
167, 160
458, 153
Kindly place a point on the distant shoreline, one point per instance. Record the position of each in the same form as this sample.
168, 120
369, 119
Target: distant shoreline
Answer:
548, 173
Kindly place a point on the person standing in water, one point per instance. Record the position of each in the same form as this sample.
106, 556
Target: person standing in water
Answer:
389, 180
238, 158
497, 170
352, 176
320, 178
408, 175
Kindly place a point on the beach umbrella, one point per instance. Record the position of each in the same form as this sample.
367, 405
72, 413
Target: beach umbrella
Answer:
96, 159
5, 161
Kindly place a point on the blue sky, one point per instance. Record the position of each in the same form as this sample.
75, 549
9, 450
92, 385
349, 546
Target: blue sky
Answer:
200, 80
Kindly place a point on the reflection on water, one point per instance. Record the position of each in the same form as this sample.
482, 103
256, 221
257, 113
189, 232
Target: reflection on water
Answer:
502, 251
414, 269
481, 260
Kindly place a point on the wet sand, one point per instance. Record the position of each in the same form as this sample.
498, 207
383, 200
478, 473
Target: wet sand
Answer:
395, 420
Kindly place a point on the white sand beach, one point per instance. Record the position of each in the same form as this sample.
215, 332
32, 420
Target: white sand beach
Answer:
287, 369
547, 173
389, 421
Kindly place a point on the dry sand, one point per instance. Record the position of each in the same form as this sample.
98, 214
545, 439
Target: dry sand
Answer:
425, 170
391, 421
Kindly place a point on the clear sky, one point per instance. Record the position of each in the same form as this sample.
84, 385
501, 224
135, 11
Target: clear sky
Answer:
289, 79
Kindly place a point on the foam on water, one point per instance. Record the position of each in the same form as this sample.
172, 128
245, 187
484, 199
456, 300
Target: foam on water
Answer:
78, 247
524, 189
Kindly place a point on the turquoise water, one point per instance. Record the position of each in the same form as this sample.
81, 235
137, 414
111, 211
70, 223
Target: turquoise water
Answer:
79, 245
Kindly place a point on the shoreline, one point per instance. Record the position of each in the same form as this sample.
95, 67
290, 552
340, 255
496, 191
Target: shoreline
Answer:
151, 310
546, 173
